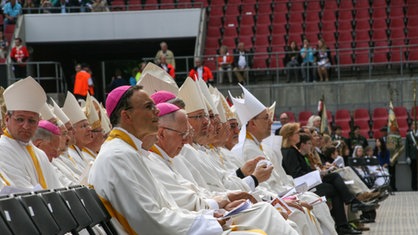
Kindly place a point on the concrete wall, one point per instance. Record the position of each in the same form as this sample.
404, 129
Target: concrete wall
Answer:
102, 26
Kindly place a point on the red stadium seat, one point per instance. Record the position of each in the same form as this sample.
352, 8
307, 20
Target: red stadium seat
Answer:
229, 41
212, 42
380, 113
303, 117
259, 61
248, 9
380, 55
377, 125
313, 6
400, 112
230, 32
232, 10
295, 17
362, 35
379, 13
345, 58
346, 5
361, 114
342, 115
278, 39
395, 11
361, 5
344, 25
291, 116
311, 27
311, 15
263, 19
379, 24
345, 15
344, 124
230, 21
362, 13
402, 122
247, 30
297, 6
345, 36
263, 8
247, 20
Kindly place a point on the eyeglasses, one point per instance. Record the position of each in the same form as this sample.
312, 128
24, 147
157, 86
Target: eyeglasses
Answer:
201, 116
183, 135
21, 121
267, 117
233, 126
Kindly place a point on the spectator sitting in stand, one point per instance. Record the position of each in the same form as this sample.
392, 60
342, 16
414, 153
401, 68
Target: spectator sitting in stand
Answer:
3, 46
292, 61
62, 6
132, 79
141, 68
308, 64
29, 7
201, 72
167, 53
242, 63
11, 11
166, 66
225, 61
117, 81
99, 6
323, 60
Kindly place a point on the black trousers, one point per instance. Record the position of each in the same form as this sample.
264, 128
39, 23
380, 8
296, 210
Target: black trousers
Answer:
414, 174
20, 71
392, 173
334, 188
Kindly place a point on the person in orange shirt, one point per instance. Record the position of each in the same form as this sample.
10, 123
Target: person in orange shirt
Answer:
83, 83
225, 61
201, 71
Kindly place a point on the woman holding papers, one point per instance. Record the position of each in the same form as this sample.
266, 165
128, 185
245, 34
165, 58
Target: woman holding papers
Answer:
296, 164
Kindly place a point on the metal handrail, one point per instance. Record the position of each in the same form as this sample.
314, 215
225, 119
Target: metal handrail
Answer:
38, 71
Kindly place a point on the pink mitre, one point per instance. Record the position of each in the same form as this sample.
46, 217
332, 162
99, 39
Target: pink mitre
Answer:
162, 96
166, 108
113, 98
49, 126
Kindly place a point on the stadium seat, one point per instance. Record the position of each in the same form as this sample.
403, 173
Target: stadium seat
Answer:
379, 4
262, 29
402, 123
167, 4
345, 133
232, 10
278, 39
362, 35
297, 6
364, 127
342, 115
216, 10
275, 61
215, 21
230, 32
361, 114
247, 20
291, 116
345, 36
313, 6
345, 15
230, 21
396, 54
395, 12
380, 113
259, 62
213, 32
380, 55
397, 23
362, 13
247, 30
312, 15
361, 5
135, 5
346, 5
362, 57
303, 117
345, 58
263, 19
212, 43
344, 124
229, 41
295, 17
379, 24
263, 8
328, 14
344, 25
246, 40
379, 13
328, 26
330, 5
401, 112
377, 125
249, 9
